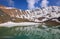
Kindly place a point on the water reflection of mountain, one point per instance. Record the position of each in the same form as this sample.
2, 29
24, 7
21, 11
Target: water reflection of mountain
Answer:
19, 32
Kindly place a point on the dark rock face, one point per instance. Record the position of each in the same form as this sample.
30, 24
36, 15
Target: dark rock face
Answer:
59, 18
19, 20
4, 17
41, 18
51, 23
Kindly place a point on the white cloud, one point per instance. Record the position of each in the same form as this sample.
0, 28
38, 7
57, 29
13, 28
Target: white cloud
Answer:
31, 3
10, 2
44, 3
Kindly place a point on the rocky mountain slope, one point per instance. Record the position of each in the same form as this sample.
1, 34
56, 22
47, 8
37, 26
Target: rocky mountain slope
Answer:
49, 15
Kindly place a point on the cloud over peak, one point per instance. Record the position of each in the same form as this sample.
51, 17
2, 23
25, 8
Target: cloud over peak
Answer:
31, 3
44, 3
10, 3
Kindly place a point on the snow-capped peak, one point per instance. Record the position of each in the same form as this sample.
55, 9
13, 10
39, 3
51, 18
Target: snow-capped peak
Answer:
10, 8
33, 15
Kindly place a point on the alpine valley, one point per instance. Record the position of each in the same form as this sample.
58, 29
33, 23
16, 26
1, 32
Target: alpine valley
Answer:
38, 23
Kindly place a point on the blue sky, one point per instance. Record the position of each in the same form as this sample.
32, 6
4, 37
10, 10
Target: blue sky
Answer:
28, 4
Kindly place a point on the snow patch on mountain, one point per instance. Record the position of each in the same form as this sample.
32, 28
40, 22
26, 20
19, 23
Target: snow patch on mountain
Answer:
10, 24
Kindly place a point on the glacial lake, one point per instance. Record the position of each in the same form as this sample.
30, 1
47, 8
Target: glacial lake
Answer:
28, 32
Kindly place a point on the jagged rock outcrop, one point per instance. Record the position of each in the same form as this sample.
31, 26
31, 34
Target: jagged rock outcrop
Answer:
15, 14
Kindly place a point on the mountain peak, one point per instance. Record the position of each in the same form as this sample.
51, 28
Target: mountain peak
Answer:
5, 7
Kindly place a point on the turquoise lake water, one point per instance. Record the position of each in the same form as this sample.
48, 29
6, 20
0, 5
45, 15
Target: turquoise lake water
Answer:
19, 32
